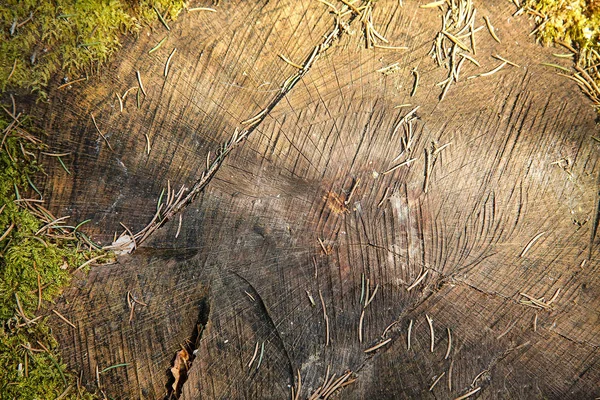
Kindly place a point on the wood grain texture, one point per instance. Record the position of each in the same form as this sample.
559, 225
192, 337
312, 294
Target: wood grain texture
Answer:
249, 246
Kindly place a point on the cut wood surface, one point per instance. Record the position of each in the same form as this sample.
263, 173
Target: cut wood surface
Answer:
271, 274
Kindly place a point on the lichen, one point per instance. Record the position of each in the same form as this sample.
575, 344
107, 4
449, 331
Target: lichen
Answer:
39, 39
35, 266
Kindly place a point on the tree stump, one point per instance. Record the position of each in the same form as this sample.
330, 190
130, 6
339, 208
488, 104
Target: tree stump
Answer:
307, 255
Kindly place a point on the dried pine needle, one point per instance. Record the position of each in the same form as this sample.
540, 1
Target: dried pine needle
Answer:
63, 318
455, 40
253, 356
120, 102
148, 148
325, 317
310, 298
360, 326
178, 227
431, 331
162, 20
98, 129
390, 69
468, 394
139, 78
354, 186
449, 344
63, 165
417, 281
491, 29
201, 9
505, 60
468, 57
372, 296
410, 325
152, 50
433, 4
166, 73
287, 60
113, 367
553, 297
379, 345
556, 66
416, 84
492, 72
437, 380
407, 162
260, 358
531, 243
379, 46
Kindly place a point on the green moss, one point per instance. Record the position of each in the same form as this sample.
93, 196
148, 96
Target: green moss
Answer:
70, 36
31, 262
31, 372
575, 23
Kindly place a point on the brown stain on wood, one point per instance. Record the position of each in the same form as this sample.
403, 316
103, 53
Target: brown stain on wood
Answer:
255, 227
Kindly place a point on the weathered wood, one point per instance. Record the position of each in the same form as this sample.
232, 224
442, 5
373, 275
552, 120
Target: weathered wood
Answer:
255, 230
